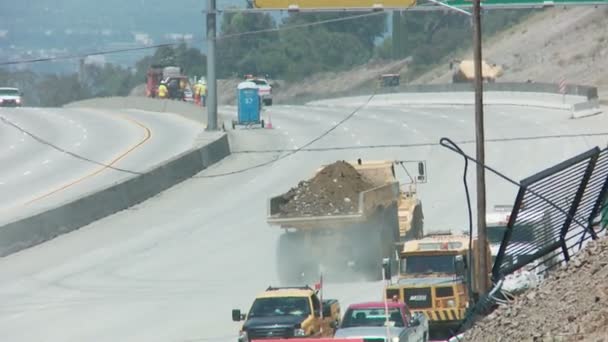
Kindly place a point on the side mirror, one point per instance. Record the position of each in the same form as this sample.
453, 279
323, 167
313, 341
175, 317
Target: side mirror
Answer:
459, 265
237, 316
333, 324
421, 175
386, 268
326, 311
415, 321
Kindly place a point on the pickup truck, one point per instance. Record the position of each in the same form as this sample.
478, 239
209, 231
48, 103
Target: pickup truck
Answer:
369, 320
288, 312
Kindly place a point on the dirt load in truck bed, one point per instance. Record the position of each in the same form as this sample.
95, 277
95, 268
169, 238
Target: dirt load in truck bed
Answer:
333, 191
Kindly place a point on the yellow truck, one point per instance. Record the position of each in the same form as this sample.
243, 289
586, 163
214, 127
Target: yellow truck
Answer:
432, 279
354, 244
288, 312
465, 72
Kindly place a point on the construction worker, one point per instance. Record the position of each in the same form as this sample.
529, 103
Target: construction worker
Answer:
197, 92
162, 90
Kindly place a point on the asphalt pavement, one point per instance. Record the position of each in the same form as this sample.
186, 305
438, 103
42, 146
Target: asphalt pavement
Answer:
37, 175
172, 268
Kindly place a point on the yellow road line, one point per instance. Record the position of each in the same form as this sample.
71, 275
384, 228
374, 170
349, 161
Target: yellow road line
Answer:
147, 136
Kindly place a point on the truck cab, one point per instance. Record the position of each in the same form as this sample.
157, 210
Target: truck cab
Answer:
288, 312
363, 319
432, 279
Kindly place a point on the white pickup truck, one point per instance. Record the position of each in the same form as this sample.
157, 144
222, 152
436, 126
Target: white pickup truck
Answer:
369, 320
264, 90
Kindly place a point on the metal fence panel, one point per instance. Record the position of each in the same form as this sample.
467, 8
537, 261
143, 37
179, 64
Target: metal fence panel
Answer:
555, 212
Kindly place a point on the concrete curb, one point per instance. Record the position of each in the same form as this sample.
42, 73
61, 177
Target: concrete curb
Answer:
38, 228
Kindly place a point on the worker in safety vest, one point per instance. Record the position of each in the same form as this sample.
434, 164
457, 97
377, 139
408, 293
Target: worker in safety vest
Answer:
162, 91
203, 88
197, 93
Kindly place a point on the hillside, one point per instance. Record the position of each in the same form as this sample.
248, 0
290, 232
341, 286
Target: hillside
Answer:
571, 305
556, 43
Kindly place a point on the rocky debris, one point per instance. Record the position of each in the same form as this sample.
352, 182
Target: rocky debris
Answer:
333, 191
570, 305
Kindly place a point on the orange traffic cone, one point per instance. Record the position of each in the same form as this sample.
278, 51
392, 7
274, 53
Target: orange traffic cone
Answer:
269, 124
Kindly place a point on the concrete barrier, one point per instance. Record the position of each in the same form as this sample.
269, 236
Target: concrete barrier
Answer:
587, 108
186, 109
41, 227
587, 92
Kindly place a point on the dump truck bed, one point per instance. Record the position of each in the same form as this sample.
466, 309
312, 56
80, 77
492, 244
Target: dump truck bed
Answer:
368, 201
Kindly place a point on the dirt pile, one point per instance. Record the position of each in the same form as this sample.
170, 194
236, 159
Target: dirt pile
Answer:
571, 305
333, 191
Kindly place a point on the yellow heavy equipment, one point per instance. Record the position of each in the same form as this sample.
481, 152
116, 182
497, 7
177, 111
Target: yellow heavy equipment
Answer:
352, 243
465, 72
433, 279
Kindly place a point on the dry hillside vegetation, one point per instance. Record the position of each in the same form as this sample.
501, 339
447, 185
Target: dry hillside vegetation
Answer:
569, 43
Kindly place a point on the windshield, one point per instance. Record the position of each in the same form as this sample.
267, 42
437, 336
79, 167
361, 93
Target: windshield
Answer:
521, 233
259, 82
428, 264
371, 318
10, 92
280, 306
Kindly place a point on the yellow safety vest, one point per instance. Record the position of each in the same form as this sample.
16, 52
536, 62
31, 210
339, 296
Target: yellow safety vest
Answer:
162, 91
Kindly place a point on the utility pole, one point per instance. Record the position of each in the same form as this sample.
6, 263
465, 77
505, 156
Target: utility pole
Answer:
482, 276
211, 78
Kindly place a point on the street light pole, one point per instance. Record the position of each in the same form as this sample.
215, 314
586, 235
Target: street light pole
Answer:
482, 274
211, 78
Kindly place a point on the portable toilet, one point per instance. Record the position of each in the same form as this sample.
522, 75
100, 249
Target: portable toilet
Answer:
249, 105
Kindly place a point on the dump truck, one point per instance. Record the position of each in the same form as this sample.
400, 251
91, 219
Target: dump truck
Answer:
354, 243
465, 72
433, 279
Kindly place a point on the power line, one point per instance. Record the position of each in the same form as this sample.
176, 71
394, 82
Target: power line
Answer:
156, 46
424, 144
321, 136
304, 148
84, 55
289, 27
62, 150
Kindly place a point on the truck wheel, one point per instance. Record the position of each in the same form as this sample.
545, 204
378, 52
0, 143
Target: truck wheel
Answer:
290, 260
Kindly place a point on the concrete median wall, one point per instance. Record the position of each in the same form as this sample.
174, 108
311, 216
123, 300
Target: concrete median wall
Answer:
182, 108
46, 225
587, 92
584, 109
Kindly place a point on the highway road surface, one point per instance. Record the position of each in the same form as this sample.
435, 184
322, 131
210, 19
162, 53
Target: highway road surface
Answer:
173, 267
36, 175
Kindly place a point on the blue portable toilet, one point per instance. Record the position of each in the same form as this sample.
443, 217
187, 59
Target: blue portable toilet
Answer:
249, 105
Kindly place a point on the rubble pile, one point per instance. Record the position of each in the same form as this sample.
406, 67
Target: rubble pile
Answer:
333, 191
570, 305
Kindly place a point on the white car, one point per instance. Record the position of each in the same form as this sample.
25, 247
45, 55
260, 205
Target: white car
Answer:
264, 90
10, 97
